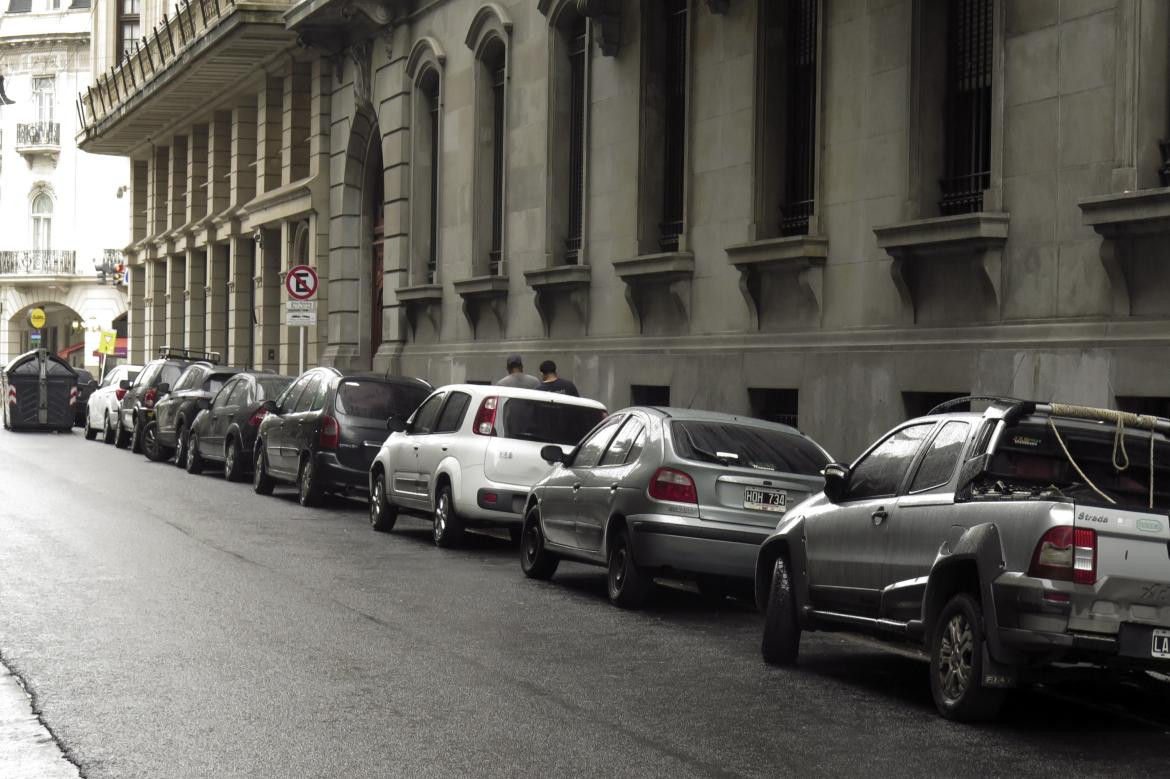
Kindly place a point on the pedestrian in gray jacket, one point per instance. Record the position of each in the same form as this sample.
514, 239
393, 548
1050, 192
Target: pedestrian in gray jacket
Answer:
516, 376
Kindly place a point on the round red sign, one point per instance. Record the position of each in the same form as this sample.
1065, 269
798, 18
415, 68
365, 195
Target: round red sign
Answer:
301, 283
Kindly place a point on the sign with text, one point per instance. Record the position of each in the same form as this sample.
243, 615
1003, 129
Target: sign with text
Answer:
301, 283
300, 313
36, 318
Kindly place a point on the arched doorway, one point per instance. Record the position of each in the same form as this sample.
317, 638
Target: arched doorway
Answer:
375, 217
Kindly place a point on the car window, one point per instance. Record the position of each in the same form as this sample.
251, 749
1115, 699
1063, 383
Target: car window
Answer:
424, 419
378, 400
880, 472
320, 396
170, 374
240, 393
288, 400
547, 421
451, 417
589, 452
308, 395
147, 376
113, 377
747, 446
190, 378
618, 452
222, 397
941, 458
271, 387
216, 380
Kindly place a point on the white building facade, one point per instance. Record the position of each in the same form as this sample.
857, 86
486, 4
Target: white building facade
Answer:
63, 212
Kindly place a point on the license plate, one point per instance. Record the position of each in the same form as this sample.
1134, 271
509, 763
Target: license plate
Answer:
765, 500
1160, 644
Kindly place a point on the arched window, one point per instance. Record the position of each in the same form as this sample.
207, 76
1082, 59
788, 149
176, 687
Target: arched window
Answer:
492, 151
424, 66
42, 221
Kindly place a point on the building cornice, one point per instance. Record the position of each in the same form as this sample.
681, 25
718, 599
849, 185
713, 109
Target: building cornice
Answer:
46, 39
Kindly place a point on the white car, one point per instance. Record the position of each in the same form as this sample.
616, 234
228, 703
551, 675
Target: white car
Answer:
101, 411
470, 453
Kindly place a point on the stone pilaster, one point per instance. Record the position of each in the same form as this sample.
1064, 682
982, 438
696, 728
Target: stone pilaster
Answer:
136, 316
197, 173
176, 288
177, 196
243, 165
194, 309
139, 190
240, 303
394, 121
155, 305
267, 305
269, 105
215, 298
156, 197
219, 162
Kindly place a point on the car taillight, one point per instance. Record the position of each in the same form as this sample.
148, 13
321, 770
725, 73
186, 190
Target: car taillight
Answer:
119, 393
73, 396
12, 395
1066, 553
669, 484
330, 435
149, 397
258, 417
485, 418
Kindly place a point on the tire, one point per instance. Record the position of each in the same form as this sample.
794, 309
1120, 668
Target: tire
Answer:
90, 432
151, 446
262, 483
195, 462
108, 429
308, 486
182, 438
628, 585
956, 663
136, 438
383, 514
448, 527
781, 643
535, 560
233, 461
121, 434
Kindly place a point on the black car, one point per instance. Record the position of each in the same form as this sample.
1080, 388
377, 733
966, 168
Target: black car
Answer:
166, 434
86, 384
323, 432
226, 432
154, 381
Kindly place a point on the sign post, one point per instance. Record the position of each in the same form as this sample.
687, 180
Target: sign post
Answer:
300, 310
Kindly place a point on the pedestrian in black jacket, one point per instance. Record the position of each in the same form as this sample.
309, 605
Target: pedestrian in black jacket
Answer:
551, 382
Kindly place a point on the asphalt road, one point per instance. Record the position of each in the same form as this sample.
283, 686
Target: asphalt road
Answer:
170, 625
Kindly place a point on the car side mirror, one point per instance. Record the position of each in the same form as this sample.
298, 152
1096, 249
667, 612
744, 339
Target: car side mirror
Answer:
396, 424
270, 407
836, 480
163, 388
552, 454
124, 384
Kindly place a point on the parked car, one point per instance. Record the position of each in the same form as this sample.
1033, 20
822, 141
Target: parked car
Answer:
1003, 541
226, 431
323, 431
470, 454
655, 490
152, 383
166, 434
102, 407
85, 387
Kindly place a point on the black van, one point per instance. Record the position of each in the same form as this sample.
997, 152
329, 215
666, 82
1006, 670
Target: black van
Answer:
40, 392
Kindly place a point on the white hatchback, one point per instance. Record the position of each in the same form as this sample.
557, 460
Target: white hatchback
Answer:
470, 453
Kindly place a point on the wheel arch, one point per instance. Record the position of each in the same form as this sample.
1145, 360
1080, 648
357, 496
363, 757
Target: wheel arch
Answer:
616, 521
770, 551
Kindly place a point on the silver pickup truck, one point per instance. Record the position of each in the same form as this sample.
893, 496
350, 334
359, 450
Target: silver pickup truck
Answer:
1003, 542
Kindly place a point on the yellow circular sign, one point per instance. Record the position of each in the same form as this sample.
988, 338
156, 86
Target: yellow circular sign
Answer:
36, 318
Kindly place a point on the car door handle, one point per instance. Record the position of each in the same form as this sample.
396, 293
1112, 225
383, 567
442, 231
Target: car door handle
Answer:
613, 488
576, 487
879, 516
444, 448
416, 447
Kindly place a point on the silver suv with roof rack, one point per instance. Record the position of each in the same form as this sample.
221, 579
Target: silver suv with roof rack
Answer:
1004, 542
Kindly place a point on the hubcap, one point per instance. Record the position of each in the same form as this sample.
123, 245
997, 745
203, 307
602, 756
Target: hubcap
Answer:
617, 568
306, 480
376, 502
148, 439
955, 655
181, 451
229, 457
258, 475
441, 516
532, 543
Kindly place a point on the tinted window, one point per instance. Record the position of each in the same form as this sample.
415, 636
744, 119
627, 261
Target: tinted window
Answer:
452, 414
747, 446
147, 376
619, 451
589, 453
239, 394
424, 418
942, 457
215, 381
319, 399
271, 387
880, 471
170, 374
192, 377
380, 400
222, 398
547, 421
308, 394
289, 399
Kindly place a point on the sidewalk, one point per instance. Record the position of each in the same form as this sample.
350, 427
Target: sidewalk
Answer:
27, 750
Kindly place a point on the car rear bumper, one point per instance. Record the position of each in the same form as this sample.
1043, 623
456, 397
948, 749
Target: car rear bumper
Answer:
333, 474
501, 501
698, 547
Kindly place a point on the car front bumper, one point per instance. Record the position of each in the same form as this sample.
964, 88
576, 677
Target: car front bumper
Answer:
661, 541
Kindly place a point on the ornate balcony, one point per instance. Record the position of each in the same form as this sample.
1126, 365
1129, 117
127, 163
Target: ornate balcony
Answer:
38, 139
36, 263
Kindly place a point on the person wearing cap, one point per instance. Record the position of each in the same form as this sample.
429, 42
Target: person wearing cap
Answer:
551, 382
516, 376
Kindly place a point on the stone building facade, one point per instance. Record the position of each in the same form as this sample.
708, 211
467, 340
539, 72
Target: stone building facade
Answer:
834, 212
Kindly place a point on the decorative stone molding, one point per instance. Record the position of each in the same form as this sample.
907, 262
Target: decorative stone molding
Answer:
978, 238
804, 255
422, 300
569, 280
490, 292
425, 49
1119, 219
380, 13
361, 53
606, 16
674, 270
489, 18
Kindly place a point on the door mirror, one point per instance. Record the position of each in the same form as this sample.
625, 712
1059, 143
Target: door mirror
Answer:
270, 407
396, 424
836, 480
552, 454
124, 384
163, 388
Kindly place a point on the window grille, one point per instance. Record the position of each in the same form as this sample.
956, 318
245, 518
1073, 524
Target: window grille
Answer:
577, 48
674, 147
968, 130
433, 257
800, 144
128, 27
497, 249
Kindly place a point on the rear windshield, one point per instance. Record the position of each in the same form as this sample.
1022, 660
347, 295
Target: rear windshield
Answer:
378, 399
548, 422
270, 387
747, 447
1029, 460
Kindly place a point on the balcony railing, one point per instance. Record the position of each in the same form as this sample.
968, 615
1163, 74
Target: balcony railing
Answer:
38, 135
151, 55
38, 262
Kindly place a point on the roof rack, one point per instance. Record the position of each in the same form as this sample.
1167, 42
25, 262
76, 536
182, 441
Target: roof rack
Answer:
175, 353
1001, 400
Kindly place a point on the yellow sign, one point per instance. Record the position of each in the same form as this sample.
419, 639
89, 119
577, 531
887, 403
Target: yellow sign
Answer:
108, 341
36, 318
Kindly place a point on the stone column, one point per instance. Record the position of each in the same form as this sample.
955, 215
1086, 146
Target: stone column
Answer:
177, 196
156, 195
394, 121
269, 105
176, 289
240, 303
295, 123
197, 173
268, 307
156, 310
219, 162
320, 116
136, 316
215, 298
243, 162
194, 308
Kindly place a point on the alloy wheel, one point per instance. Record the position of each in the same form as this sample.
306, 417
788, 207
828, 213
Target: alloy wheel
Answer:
229, 458
376, 503
181, 448
441, 510
617, 568
955, 657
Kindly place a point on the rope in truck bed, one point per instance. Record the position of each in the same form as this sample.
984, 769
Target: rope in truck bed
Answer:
1119, 418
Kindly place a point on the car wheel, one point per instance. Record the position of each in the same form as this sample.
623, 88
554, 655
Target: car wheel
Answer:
195, 461
628, 585
535, 560
448, 529
182, 436
308, 486
136, 438
781, 642
383, 514
233, 466
956, 663
90, 432
262, 483
121, 434
150, 445
108, 429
